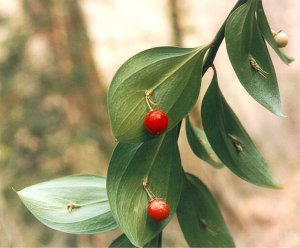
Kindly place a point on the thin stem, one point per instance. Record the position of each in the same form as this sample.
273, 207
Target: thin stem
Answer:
214, 47
215, 76
257, 67
159, 241
148, 100
148, 191
214, 69
218, 40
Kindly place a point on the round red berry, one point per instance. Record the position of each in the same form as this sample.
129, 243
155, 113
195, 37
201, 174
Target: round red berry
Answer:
158, 209
156, 122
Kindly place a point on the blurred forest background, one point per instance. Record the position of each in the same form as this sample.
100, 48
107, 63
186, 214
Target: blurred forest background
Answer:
57, 58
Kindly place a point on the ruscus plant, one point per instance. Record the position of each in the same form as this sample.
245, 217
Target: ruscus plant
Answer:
148, 99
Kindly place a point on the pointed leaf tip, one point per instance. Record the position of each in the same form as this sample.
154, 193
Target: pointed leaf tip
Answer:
250, 58
170, 76
199, 217
155, 162
74, 204
230, 140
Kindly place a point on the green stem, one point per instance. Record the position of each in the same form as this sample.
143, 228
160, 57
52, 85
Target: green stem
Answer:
218, 40
214, 47
159, 241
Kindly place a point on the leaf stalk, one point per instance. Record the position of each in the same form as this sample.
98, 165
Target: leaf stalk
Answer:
215, 44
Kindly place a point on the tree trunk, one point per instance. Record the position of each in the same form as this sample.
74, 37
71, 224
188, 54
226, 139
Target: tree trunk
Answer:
63, 25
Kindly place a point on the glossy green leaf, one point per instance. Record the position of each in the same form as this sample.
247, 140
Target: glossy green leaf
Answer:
73, 204
200, 145
246, 47
157, 162
199, 217
230, 140
171, 74
123, 241
267, 33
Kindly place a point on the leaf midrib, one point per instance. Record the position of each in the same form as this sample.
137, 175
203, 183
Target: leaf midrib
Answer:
141, 69
172, 72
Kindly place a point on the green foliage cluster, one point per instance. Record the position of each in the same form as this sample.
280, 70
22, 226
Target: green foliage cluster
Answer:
171, 77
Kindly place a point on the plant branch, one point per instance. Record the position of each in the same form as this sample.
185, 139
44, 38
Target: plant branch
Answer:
218, 40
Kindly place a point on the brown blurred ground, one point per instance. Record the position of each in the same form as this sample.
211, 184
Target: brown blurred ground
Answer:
117, 30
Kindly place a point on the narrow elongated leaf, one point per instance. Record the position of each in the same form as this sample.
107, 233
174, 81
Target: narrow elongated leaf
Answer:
250, 58
73, 204
170, 75
267, 33
199, 217
200, 145
230, 140
123, 241
156, 162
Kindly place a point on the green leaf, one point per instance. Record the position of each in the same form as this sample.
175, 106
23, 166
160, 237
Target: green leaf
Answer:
245, 46
157, 162
230, 140
200, 145
267, 33
123, 241
171, 75
74, 204
199, 217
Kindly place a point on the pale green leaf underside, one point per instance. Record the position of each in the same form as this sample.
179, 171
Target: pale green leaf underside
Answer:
157, 162
244, 42
200, 145
230, 140
199, 217
49, 201
266, 31
172, 74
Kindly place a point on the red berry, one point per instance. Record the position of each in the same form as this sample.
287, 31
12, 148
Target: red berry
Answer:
158, 209
156, 122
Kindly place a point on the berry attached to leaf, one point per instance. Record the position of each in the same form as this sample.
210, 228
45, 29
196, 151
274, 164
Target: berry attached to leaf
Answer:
158, 209
156, 122
281, 39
